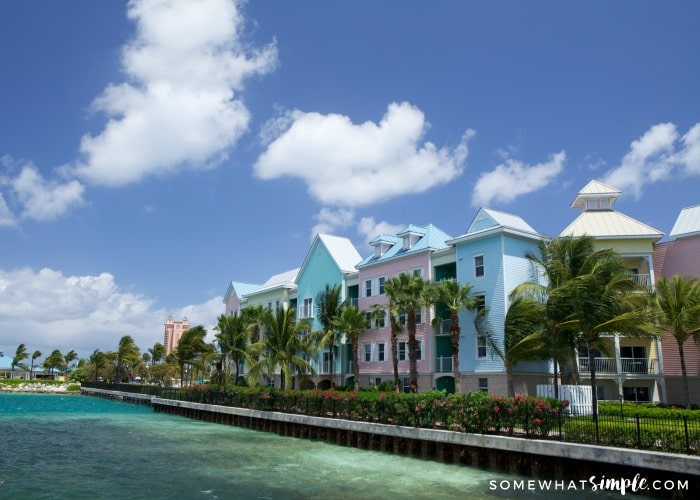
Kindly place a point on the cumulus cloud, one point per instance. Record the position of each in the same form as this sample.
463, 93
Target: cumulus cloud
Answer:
369, 228
47, 310
513, 178
656, 156
179, 107
350, 165
7, 218
328, 221
44, 200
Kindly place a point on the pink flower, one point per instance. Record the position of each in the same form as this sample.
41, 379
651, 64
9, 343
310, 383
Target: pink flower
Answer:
496, 409
538, 421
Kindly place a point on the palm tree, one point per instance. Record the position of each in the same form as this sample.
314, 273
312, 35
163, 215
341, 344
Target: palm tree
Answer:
20, 355
127, 354
678, 300
54, 361
456, 297
233, 338
351, 323
157, 352
283, 346
98, 360
255, 316
406, 293
328, 304
601, 299
35, 355
70, 357
190, 349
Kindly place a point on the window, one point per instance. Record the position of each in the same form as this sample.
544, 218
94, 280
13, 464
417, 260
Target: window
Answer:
381, 320
326, 362
403, 350
480, 303
308, 309
277, 306
269, 305
481, 346
478, 266
368, 288
636, 394
380, 282
367, 352
381, 352
368, 320
483, 384
418, 272
419, 352
377, 251
403, 317
406, 382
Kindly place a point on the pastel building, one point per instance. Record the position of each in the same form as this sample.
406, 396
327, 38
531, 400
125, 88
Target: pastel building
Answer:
173, 332
492, 256
681, 256
634, 371
415, 250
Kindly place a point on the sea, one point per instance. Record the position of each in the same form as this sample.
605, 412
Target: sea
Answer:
81, 447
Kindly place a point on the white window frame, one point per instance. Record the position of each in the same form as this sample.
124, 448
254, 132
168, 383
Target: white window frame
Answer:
381, 281
479, 267
307, 310
483, 384
402, 350
368, 320
381, 351
369, 288
367, 350
418, 272
481, 346
381, 322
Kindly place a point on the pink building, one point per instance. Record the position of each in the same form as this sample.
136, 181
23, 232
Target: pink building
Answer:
173, 332
681, 255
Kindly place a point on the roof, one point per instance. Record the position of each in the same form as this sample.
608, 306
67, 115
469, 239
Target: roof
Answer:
610, 224
281, 280
595, 189
342, 251
487, 222
687, 223
240, 288
431, 237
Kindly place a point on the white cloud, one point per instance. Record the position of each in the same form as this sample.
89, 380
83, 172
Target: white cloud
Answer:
657, 156
329, 220
178, 108
46, 310
513, 178
369, 228
45, 200
7, 218
344, 164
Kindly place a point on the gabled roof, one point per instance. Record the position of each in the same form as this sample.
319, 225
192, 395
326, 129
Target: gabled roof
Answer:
431, 238
488, 221
240, 288
595, 189
342, 251
610, 224
281, 280
687, 223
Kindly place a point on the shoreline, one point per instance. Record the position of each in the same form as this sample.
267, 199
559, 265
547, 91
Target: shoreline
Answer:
39, 388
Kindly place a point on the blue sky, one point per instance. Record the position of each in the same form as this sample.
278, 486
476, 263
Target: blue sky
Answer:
151, 152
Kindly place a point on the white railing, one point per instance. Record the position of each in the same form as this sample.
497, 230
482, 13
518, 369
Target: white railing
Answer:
354, 302
643, 280
445, 326
638, 366
443, 364
349, 367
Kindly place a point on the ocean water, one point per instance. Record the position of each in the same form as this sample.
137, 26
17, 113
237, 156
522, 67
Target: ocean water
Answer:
73, 447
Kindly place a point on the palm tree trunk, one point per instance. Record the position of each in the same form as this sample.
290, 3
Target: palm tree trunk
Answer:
395, 356
454, 337
356, 362
684, 372
509, 380
412, 350
594, 392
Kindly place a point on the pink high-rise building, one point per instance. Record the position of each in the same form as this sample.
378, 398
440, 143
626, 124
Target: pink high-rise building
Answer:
173, 332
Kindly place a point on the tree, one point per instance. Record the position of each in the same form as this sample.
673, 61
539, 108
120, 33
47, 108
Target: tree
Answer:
678, 302
351, 323
456, 297
127, 355
283, 346
35, 355
54, 361
190, 348
157, 352
20, 355
406, 293
598, 299
328, 305
69, 357
98, 360
255, 316
233, 338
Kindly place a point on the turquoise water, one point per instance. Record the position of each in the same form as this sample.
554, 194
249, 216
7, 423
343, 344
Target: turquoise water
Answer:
71, 447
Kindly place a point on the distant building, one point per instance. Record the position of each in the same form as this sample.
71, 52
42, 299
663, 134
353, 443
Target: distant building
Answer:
173, 332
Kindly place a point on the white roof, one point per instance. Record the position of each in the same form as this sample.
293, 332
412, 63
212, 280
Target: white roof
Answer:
343, 252
509, 220
609, 224
285, 279
687, 223
595, 189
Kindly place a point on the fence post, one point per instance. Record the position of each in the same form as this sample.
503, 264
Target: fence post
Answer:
639, 432
687, 436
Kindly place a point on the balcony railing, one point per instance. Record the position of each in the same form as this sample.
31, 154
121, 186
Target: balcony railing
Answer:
643, 280
354, 302
633, 366
443, 364
349, 367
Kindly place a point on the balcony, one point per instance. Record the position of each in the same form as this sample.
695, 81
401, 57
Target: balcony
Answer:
349, 367
643, 280
443, 327
354, 302
631, 366
443, 364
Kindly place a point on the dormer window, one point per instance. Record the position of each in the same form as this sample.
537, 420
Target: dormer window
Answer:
409, 240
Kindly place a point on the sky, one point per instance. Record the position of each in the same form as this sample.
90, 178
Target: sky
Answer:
152, 151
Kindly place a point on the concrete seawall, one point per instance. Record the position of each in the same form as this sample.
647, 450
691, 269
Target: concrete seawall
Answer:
530, 457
